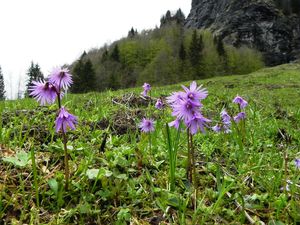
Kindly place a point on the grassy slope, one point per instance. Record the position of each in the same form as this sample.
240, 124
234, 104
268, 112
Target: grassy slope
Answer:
255, 173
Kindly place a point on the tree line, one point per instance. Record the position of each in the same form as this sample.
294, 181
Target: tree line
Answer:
164, 55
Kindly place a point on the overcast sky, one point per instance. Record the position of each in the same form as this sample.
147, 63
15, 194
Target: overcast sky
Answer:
56, 32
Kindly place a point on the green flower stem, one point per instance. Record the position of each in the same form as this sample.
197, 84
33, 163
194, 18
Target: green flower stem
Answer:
193, 167
172, 151
188, 169
150, 143
35, 177
66, 159
286, 158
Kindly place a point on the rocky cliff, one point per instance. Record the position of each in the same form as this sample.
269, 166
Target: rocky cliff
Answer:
255, 23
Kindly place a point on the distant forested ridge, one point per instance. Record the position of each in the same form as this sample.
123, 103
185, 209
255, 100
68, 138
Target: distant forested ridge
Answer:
164, 55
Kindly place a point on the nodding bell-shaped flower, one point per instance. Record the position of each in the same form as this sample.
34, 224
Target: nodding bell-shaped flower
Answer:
65, 120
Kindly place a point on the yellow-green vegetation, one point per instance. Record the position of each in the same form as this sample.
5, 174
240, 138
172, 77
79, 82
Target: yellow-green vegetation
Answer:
115, 179
165, 55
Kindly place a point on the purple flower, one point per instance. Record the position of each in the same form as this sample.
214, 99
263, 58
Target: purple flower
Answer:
147, 125
239, 100
147, 88
217, 128
198, 122
159, 104
175, 123
43, 92
185, 110
239, 117
175, 97
226, 119
297, 163
195, 94
61, 77
65, 120
186, 107
226, 128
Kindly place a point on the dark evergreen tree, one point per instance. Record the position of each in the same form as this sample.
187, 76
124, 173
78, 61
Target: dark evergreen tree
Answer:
115, 55
222, 54
2, 87
168, 15
220, 47
83, 55
83, 76
200, 44
182, 52
113, 82
166, 19
89, 76
195, 53
104, 55
132, 33
162, 21
179, 17
77, 72
34, 73
195, 49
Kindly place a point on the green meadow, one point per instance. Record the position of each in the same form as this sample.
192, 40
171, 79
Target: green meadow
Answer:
116, 177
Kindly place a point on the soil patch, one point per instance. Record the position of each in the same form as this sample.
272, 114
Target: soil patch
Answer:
133, 101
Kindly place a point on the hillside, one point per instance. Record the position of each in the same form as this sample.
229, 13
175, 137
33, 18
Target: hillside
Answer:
120, 175
165, 55
216, 38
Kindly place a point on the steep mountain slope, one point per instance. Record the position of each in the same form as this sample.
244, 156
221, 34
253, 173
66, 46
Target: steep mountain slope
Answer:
255, 23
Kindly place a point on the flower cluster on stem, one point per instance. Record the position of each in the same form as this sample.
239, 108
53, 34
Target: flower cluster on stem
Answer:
146, 88
186, 107
46, 92
225, 125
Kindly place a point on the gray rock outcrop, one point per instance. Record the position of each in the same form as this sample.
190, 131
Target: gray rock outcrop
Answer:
255, 23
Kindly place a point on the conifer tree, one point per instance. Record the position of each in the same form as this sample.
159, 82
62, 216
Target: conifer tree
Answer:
162, 21
179, 17
220, 47
115, 55
83, 55
166, 19
2, 87
195, 53
219, 44
132, 33
77, 86
104, 56
83, 76
34, 73
168, 15
89, 76
182, 53
195, 49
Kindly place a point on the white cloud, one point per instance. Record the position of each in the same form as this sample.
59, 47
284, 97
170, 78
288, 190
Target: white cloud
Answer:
55, 32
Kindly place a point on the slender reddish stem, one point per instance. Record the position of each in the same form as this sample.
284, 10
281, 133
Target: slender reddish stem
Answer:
65, 140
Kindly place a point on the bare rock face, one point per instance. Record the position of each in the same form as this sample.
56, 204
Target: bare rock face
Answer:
255, 23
